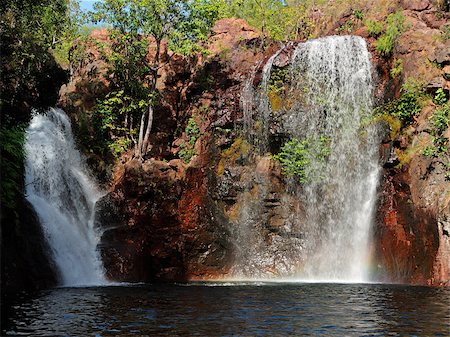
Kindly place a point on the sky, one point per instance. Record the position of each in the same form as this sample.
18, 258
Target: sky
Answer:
86, 4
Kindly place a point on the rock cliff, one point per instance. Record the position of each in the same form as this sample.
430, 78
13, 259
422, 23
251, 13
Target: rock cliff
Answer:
167, 219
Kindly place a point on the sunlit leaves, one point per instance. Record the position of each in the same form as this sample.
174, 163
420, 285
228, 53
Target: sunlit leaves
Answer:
138, 31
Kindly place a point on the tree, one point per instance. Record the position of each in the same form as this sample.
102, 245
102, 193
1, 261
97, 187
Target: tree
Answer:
30, 77
134, 24
29, 31
277, 19
263, 14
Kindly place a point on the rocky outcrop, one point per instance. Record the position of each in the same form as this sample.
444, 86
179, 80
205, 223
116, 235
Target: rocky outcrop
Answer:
160, 223
412, 242
169, 220
407, 236
161, 220
25, 262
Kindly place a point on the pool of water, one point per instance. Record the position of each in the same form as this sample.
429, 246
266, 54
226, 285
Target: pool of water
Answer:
233, 309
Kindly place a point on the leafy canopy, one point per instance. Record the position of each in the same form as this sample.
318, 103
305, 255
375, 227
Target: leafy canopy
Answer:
182, 23
30, 30
278, 19
139, 30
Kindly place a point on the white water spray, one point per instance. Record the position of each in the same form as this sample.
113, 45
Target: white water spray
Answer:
335, 74
323, 225
63, 195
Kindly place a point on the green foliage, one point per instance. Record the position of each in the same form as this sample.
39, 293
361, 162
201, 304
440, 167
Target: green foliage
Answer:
358, 14
440, 98
441, 119
393, 122
394, 27
296, 157
192, 131
277, 19
346, 27
374, 28
408, 105
119, 146
181, 23
397, 68
261, 14
352, 22
65, 53
73, 29
134, 66
445, 32
12, 157
440, 123
278, 79
413, 86
30, 30
429, 151
187, 150
113, 116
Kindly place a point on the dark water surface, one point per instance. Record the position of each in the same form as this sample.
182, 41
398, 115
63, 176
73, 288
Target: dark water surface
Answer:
234, 310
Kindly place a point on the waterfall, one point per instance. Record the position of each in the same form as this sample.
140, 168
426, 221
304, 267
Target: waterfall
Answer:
63, 194
336, 71
324, 224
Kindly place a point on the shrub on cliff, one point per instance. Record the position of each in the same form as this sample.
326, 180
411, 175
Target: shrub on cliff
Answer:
387, 31
408, 105
440, 123
187, 150
303, 159
12, 156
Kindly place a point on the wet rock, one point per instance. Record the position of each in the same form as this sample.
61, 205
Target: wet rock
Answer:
406, 236
159, 225
26, 263
389, 158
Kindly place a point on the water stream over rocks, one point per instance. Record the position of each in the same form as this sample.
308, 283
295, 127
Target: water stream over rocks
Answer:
63, 195
326, 237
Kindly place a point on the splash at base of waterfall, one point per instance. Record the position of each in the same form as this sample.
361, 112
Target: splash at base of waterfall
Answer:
63, 194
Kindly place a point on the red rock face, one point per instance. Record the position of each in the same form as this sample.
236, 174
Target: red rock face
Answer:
406, 236
412, 244
160, 220
157, 225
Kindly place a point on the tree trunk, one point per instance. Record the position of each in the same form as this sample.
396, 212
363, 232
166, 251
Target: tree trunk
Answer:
139, 153
147, 116
263, 34
147, 131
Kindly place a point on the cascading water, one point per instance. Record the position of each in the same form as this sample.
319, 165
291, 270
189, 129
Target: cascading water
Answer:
326, 235
335, 74
63, 195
